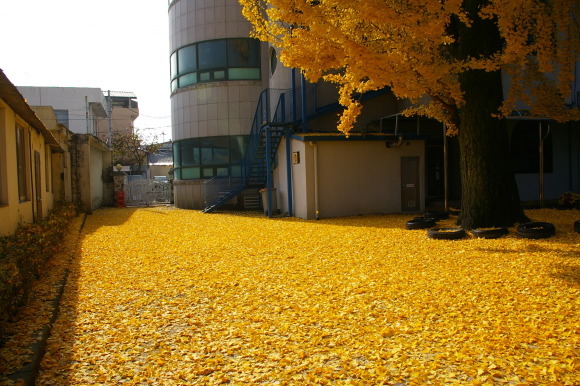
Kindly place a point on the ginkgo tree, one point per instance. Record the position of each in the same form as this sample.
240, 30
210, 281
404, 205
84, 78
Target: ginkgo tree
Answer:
449, 58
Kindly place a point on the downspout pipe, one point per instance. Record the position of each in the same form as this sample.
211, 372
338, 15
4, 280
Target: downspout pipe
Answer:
289, 173
304, 114
268, 170
294, 96
315, 148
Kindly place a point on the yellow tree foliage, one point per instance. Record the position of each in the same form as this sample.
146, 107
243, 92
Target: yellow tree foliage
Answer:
409, 46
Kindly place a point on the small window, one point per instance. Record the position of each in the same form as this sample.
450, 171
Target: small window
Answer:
22, 167
244, 73
273, 60
204, 76
187, 80
47, 168
62, 117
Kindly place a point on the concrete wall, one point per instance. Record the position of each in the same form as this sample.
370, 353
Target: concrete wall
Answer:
71, 99
91, 161
96, 172
354, 177
122, 121
188, 194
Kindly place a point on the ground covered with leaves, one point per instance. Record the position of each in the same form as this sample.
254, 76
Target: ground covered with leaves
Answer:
168, 296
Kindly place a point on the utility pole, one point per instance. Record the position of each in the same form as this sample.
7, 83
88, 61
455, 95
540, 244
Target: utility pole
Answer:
87, 112
109, 139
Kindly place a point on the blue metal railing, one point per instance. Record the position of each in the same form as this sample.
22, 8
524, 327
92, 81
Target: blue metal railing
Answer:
261, 148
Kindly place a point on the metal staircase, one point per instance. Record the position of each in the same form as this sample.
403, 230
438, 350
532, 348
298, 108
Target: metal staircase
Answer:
267, 132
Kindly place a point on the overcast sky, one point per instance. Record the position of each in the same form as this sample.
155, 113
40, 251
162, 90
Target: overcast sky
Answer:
117, 45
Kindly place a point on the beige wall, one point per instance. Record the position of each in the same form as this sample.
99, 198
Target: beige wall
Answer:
90, 159
122, 120
61, 182
353, 177
160, 170
12, 211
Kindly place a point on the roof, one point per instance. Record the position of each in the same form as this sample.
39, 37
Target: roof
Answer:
352, 137
12, 97
122, 94
164, 156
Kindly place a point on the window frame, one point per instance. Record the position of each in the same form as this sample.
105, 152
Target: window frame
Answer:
23, 163
215, 72
214, 145
3, 160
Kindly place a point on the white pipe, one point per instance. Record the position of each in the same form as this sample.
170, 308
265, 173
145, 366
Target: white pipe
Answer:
315, 177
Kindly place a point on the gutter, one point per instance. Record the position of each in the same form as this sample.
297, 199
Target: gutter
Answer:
315, 146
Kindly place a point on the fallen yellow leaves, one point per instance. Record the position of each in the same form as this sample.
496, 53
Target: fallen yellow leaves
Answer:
167, 296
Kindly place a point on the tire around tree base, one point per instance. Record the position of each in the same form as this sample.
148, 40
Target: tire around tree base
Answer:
536, 230
492, 233
421, 223
438, 214
446, 233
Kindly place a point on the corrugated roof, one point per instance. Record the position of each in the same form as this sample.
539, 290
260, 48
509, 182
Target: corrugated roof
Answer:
12, 97
122, 94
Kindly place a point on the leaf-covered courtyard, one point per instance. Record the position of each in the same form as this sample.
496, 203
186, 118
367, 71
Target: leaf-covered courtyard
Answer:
167, 296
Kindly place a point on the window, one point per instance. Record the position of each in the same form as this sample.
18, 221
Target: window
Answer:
243, 53
21, 157
187, 59
215, 60
525, 145
3, 161
173, 65
209, 157
212, 54
273, 61
47, 167
62, 117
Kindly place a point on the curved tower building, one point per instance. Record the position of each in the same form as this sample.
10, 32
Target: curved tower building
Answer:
216, 80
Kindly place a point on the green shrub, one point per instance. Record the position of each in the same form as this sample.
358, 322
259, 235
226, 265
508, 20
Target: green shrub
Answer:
24, 254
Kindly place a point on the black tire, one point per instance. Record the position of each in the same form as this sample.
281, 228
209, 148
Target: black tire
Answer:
420, 223
439, 215
446, 233
492, 233
536, 230
577, 226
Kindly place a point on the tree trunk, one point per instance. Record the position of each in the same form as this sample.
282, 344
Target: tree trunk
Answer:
489, 192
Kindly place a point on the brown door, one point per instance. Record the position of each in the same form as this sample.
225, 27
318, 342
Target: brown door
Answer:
410, 184
37, 183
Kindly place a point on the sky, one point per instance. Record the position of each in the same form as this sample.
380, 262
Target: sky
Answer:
117, 45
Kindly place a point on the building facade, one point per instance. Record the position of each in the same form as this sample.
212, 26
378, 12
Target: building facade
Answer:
216, 80
241, 120
27, 148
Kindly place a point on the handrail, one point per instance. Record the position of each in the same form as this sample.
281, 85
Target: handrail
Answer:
262, 119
